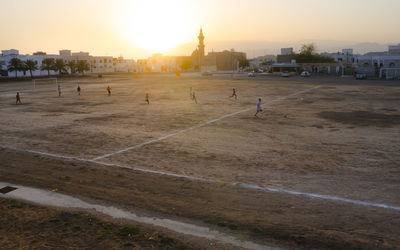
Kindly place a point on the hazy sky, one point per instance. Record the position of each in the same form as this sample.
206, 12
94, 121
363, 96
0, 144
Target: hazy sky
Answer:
136, 28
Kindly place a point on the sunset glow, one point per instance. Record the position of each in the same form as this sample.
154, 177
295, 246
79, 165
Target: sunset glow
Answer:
138, 28
157, 26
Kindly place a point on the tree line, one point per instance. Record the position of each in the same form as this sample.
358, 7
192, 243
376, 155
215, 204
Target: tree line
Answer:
308, 54
48, 64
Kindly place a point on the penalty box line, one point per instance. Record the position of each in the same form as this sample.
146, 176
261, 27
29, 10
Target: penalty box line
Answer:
204, 180
198, 126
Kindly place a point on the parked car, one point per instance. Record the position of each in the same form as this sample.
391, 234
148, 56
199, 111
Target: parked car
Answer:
251, 74
285, 74
305, 74
361, 76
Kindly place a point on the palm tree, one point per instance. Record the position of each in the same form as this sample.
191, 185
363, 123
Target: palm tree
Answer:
83, 66
15, 64
59, 66
2, 72
72, 66
24, 68
31, 66
48, 64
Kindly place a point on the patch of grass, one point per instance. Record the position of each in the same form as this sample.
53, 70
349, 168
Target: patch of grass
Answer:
107, 227
101, 237
76, 229
183, 248
233, 227
222, 224
128, 231
128, 244
256, 230
164, 240
17, 205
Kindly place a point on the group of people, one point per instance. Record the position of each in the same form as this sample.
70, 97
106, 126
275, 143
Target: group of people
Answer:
259, 108
147, 98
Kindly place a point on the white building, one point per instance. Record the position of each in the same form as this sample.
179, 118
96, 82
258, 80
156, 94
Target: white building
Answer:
345, 56
387, 66
394, 49
124, 65
10, 52
286, 51
97, 64
7, 55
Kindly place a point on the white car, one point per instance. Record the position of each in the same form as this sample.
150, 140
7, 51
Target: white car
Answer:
251, 74
285, 74
305, 74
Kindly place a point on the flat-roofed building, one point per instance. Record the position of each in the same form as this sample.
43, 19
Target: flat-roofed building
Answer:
394, 49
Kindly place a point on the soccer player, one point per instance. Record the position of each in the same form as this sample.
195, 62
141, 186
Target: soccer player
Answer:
59, 90
79, 90
194, 97
234, 93
147, 98
109, 90
18, 97
259, 109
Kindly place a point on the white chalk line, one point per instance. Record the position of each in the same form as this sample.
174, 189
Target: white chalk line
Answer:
68, 158
319, 196
198, 126
239, 185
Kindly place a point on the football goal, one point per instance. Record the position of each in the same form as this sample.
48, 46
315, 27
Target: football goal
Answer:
44, 81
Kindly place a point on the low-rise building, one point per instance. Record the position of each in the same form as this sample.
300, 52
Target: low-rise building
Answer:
7, 55
394, 50
97, 64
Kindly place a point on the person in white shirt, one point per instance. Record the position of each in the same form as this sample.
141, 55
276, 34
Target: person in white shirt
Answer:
259, 109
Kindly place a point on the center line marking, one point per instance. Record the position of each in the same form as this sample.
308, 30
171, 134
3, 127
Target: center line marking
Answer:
198, 126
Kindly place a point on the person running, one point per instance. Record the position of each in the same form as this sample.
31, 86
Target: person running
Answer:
191, 93
109, 90
147, 98
59, 90
234, 93
18, 99
79, 90
194, 97
259, 109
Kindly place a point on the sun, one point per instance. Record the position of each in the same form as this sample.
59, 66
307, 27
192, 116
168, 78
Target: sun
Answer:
157, 26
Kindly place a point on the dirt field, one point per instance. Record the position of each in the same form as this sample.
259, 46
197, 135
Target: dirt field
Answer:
25, 226
326, 136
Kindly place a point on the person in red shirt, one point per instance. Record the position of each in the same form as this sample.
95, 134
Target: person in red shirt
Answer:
234, 93
18, 97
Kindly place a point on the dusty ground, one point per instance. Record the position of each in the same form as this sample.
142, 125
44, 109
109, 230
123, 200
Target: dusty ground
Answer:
26, 226
339, 138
